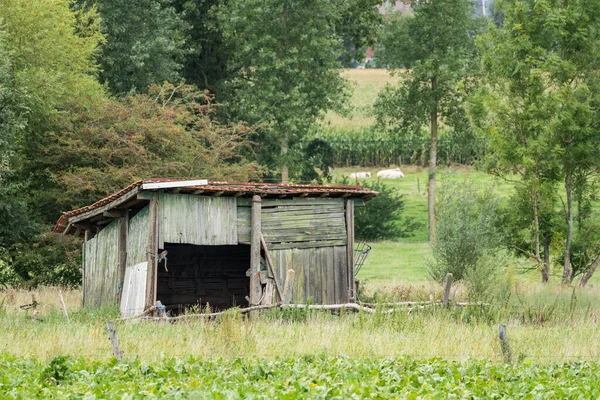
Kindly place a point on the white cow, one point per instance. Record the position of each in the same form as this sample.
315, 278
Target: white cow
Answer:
390, 173
359, 175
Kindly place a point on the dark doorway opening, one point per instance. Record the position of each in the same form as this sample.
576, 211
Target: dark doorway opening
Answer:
197, 275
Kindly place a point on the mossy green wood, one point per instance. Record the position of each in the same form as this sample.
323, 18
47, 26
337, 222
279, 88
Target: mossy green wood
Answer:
199, 220
137, 237
297, 223
319, 273
101, 266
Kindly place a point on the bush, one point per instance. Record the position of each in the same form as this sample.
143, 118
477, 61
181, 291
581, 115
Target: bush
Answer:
381, 218
468, 240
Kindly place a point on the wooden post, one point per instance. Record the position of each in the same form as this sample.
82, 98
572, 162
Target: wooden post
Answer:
506, 352
152, 251
64, 307
447, 286
114, 340
350, 247
87, 235
418, 186
287, 287
123, 225
255, 286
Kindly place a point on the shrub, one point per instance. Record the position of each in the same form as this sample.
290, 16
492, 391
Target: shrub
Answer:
468, 239
381, 218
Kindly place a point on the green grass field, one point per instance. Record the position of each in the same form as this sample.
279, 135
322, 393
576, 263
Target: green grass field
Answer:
404, 260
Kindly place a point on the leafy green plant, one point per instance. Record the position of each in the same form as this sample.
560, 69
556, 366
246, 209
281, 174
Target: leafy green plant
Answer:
381, 217
468, 238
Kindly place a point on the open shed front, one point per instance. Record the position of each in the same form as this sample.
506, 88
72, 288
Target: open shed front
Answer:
189, 246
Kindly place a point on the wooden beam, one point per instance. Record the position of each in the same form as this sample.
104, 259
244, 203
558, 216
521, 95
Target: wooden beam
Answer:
350, 247
86, 226
326, 194
122, 246
114, 213
66, 231
108, 206
238, 194
271, 266
152, 251
198, 191
255, 286
219, 193
303, 195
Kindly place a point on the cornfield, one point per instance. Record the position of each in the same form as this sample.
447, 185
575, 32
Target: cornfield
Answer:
370, 147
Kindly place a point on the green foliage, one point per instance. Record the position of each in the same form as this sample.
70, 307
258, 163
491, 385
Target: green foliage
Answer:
145, 44
53, 51
295, 378
167, 133
435, 45
468, 237
541, 99
381, 217
283, 73
45, 259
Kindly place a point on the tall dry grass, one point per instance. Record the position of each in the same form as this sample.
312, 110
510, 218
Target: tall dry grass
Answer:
545, 324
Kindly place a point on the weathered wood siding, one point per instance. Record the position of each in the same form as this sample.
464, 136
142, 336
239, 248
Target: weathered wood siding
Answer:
101, 266
137, 237
288, 224
200, 220
320, 273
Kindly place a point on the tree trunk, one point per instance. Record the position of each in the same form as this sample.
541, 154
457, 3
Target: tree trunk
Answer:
546, 265
285, 176
590, 272
567, 272
536, 226
432, 163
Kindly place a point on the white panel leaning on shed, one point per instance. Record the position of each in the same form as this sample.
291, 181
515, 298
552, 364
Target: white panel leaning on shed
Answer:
134, 290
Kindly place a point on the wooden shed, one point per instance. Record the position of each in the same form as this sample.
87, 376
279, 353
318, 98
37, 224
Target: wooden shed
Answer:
227, 244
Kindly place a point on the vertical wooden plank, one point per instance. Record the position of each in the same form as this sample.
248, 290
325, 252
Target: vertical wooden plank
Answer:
342, 261
322, 260
300, 276
152, 250
255, 286
314, 266
330, 276
350, 247
123, 228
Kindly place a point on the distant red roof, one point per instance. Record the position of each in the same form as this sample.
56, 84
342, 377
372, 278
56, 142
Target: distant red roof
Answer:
227, 189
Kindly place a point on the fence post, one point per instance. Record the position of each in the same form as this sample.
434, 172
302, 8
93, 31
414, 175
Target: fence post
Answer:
114, 340
506, 353
447, 286
64, 308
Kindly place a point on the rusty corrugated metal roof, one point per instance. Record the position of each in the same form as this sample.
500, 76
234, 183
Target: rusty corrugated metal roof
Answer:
227, 189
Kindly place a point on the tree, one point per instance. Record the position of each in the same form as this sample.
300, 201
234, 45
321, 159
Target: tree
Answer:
13, 209
283, 71
432, 49
106, 146
145, 44
541, 70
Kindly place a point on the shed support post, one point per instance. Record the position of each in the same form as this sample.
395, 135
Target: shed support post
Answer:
350, 248
255, 286
152, 251
123, 228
